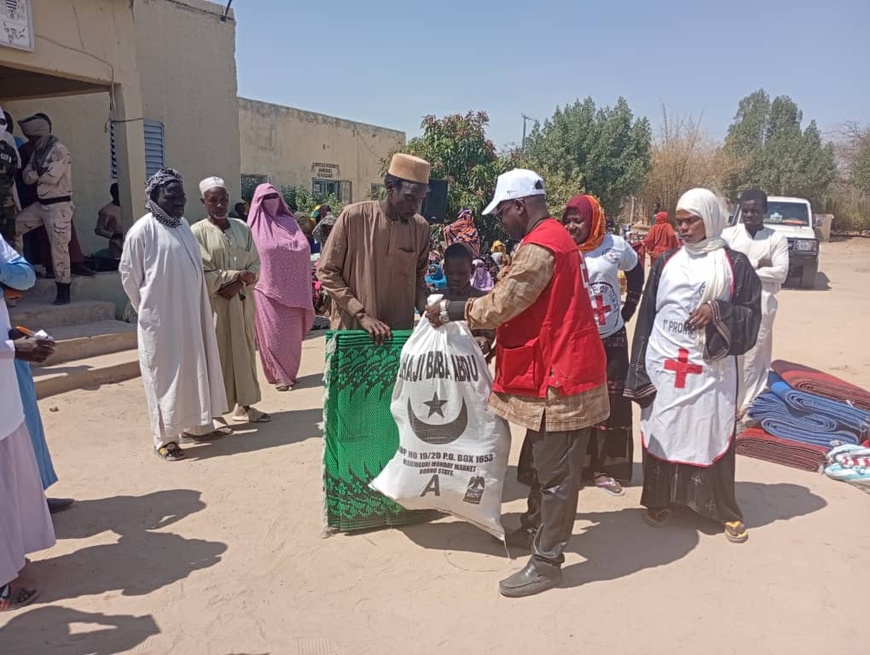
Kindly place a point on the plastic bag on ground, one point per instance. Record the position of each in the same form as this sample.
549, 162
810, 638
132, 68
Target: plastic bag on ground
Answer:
453, 451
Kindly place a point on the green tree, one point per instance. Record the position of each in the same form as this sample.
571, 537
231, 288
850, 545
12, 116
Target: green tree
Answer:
775, 153
460, 152
603, 151
849, 200
303, 200
854, 151
861, 169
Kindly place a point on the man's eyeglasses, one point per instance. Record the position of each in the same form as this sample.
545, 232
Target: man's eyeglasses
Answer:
502, 209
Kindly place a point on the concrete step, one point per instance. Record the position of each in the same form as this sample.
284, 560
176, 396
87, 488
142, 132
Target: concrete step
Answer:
36, 315
103, 286
91, 340
87, 373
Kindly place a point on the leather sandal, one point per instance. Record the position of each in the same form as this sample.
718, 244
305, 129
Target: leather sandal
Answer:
736, 532
13, 598
171, 452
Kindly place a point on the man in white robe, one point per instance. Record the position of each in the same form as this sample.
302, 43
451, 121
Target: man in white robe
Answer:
767, 251
161, 271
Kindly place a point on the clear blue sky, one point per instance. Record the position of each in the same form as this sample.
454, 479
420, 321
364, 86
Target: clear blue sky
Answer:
389, 63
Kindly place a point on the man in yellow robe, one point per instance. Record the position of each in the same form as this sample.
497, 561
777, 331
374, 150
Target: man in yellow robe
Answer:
232, 266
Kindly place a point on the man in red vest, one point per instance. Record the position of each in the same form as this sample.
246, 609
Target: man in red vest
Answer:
550, 368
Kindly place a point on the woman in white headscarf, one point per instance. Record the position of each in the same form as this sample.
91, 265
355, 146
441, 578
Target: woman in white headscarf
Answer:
701, 309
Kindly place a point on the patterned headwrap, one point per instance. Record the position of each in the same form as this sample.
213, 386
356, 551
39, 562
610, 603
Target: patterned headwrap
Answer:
491, 266
463, 230
161, 178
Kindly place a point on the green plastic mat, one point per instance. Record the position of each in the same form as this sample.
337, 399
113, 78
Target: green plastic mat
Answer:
359, 433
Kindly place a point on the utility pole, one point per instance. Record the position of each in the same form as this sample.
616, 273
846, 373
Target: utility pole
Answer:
525, 120
226, 11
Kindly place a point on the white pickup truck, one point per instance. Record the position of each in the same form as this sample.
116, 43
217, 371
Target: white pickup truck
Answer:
793, 217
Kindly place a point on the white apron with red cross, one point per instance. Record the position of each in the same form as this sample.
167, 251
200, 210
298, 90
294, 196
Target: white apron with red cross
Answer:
691, 420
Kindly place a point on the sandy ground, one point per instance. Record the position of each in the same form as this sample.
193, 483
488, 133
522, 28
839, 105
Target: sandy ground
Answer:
223, 553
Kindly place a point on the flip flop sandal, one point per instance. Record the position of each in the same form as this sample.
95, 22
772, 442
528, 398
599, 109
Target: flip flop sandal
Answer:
252, 416
736, 532
609, 486
284, 387
260, 417
214, 435
13, 598
657, 518
171, 452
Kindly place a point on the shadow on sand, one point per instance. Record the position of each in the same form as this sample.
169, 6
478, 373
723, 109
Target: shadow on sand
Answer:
67, 631
620, 543
285, 428
821, 283
145, 557
307, 382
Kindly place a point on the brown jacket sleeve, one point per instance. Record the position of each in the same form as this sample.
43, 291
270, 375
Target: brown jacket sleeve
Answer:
529, 275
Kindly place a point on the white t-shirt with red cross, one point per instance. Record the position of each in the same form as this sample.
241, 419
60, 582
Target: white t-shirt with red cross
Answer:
603, 265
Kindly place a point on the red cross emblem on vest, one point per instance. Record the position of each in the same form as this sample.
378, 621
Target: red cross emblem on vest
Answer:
682, 368
601, 310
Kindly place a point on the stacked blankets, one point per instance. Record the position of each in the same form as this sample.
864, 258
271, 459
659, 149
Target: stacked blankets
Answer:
755, 442
821, 384
797, 427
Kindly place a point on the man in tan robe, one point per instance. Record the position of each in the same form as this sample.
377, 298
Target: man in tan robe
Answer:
374, 264
232, 265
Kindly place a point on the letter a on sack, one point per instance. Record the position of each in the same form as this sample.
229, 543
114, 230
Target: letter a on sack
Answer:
433, 487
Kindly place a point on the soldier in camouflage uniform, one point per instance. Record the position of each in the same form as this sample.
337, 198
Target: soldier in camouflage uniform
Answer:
8, 166
50, 171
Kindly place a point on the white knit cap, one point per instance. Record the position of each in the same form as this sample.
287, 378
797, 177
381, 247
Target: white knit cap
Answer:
211, 183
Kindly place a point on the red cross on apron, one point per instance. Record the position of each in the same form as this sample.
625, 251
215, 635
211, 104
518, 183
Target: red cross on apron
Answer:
682, 368
601, 310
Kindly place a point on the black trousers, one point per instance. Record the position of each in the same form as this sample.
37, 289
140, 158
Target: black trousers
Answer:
557, 462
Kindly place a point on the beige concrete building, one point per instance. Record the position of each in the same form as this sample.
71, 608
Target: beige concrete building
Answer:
292, 147
130, 86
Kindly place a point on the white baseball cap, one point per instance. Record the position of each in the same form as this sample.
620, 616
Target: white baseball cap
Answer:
518, 183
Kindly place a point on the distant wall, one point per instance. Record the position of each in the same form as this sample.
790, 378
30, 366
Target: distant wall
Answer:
293, 147
187, 68
190, 90
90, 41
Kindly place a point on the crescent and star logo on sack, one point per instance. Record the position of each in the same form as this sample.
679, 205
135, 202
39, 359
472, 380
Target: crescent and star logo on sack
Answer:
438, 434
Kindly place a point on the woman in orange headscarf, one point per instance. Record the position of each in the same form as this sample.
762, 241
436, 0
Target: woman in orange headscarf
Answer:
604, 255
660, 239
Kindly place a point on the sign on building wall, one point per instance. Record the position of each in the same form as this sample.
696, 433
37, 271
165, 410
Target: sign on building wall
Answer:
16, 22
325, 171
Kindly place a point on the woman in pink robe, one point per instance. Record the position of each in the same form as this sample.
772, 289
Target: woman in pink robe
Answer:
285, 312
